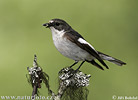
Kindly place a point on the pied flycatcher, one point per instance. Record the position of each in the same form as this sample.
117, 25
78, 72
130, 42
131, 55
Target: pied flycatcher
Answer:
72, 45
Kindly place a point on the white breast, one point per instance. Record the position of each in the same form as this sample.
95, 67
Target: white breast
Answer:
67, 48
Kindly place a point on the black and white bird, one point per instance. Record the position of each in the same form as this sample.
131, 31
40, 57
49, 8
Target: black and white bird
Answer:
72, 45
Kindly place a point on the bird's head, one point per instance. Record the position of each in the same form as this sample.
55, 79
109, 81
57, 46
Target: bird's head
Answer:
57, 24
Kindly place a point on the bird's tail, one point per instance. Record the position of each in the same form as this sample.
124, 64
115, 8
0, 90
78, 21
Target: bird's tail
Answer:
111, 59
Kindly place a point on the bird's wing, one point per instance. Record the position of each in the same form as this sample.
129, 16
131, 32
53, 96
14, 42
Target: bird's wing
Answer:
80, 41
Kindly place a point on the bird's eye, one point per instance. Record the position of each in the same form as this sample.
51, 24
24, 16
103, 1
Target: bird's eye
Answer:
57, 24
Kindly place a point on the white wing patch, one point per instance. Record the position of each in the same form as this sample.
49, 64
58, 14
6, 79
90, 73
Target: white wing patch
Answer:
85, 42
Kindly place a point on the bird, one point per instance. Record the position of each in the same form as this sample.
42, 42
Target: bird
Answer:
72, 45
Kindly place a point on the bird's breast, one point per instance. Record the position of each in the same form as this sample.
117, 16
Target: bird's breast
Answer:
69, 49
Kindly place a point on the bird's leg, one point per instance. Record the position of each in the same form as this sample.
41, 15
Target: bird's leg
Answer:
74, 64
79, 66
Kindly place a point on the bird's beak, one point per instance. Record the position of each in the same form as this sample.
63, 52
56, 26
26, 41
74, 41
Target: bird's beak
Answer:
47, 25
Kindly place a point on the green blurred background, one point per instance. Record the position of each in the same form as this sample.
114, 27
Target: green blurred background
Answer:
111, 26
